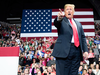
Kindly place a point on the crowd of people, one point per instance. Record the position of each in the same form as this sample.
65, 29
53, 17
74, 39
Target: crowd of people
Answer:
35, 54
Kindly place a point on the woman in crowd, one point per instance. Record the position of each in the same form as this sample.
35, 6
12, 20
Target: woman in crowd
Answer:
97, 71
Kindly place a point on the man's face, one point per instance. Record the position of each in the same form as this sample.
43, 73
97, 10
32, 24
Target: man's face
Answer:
90, 70
69, 12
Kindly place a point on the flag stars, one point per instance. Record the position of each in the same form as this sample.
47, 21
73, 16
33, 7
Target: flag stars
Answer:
49, 30
28, 18
48, 10
36, 22
44, 30
30, 15
30, 10
48, 20
39, 10
24, 25
41, 27
24, 30
31, 27
48, 24
25, 15
27, 28
36, 27
41, 17
41, 22
34, 15
44, 10
32, 22
27, 23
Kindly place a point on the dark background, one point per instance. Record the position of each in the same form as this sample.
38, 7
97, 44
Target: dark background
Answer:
14, 8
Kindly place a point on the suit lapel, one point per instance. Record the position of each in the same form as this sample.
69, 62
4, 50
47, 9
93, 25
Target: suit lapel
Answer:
66, 20
68, 23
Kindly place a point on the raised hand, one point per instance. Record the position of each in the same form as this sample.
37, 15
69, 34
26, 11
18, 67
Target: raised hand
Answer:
60, 14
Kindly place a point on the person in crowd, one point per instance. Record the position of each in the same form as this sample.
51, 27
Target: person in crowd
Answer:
21, 59
97, 71
28, 60
90, 72
49, 70
51, 62
96, 54
85, 72
91, 57
30, 54
92, 66
86, 66
26, 71
80, 70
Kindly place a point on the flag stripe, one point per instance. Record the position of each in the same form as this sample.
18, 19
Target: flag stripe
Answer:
85, 30
9, 51
83, 23
79, 16
82, 19
77, 13
56, 10
87, 23
50, 34
84, 27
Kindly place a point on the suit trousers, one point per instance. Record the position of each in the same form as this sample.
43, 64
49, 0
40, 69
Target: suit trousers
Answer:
70, 64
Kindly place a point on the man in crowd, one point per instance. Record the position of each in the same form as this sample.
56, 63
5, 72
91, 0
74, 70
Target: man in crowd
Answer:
90, 71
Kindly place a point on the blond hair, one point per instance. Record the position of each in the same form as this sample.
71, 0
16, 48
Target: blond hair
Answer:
72, 5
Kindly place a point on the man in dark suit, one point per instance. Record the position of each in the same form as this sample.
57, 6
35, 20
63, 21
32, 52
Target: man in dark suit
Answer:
71, 42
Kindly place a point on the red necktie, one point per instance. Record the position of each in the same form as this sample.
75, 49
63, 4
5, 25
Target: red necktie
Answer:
75, 34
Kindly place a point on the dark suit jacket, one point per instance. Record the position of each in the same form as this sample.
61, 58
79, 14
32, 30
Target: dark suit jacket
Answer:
65, 33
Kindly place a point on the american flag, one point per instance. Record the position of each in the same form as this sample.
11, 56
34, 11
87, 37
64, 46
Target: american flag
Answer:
39, 22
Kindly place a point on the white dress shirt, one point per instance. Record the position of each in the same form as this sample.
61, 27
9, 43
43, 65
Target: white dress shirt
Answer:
72, 41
